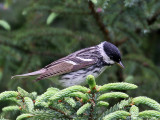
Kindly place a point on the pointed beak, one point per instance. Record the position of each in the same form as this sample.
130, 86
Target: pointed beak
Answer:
120, 64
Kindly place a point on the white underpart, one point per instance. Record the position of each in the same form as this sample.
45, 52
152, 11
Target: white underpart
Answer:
84, 59
81, 78
71, 62
105, 56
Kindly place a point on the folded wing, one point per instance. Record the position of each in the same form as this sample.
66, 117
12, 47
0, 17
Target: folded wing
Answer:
66, 66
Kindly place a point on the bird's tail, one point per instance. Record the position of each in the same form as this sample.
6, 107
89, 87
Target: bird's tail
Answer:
38, 72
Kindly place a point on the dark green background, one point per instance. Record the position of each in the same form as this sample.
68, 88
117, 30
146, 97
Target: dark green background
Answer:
133, 25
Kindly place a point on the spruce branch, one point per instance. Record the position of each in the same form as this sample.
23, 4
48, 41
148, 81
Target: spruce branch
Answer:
149, 114
83, 108
92, 85
117, 115
43, 99
80, 95
70, 101
24, 116
65, 92
27, 51
117, 107
11, 108
8, 94
134, 110
29, 104
91, 82
103, 103
63, 113
55, 103
117, 86
22, 92
92, 107
112, 95
147, 101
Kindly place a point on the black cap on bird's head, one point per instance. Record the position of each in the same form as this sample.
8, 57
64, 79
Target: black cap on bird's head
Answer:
113, 53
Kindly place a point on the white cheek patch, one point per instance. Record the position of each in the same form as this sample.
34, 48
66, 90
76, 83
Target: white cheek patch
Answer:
105, 57
84, 59
71, 62
111, 62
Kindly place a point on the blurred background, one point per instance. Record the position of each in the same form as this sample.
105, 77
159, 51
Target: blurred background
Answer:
34, 33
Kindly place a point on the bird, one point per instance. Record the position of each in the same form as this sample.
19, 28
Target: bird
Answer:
74, 68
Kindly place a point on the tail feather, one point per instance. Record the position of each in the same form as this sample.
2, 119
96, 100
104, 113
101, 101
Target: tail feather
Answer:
38, 72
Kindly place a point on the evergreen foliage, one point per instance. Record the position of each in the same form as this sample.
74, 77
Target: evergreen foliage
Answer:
78, 102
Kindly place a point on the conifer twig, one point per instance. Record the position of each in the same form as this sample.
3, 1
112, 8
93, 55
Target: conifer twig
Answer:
99, 21
55, 109
27, 51
92, 107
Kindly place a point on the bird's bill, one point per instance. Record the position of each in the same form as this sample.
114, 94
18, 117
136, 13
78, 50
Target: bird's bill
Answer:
120, 64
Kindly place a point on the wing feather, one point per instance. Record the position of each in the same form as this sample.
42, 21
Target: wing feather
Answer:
63, 67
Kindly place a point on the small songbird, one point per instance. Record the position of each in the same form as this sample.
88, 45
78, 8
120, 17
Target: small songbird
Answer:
74, 68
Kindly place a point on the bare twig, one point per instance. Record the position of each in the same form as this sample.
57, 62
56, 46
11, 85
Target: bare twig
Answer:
120, 42
98, 21
151, 20
102, 26
120, 76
